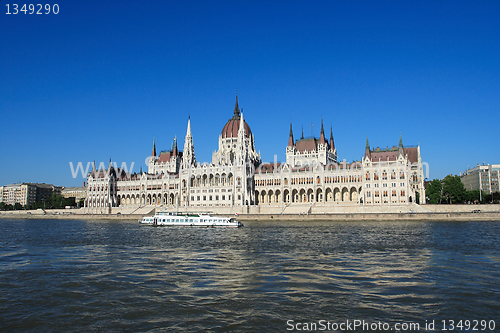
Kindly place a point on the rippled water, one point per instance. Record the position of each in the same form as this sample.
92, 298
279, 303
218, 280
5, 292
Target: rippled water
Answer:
67, 276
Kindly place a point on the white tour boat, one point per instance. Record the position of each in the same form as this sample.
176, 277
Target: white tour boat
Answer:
190, 220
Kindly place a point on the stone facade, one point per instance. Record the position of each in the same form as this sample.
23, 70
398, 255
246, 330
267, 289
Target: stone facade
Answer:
483, 177
236, 177
27, 193
75, 192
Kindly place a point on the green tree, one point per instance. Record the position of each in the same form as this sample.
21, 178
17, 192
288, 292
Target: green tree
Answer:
454, 190
433, 191
56, 200
490, 198
473, 196
69, 202
18, 206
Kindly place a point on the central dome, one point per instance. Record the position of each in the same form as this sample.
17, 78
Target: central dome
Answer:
230, 130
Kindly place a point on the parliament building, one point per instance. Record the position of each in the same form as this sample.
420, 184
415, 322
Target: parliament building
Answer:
311, 177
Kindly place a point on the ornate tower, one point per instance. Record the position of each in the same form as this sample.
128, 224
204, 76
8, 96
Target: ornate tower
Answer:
188, 157
322, 134
241, 146
367, 150
332, 143
401, 152
231, 141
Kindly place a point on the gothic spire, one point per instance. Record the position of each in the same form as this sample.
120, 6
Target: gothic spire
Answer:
302, 137
153, 153
400, 148
290, 137
367, 149
332, 143
322, 135
188, 133
236, 107
242, 124
188, 154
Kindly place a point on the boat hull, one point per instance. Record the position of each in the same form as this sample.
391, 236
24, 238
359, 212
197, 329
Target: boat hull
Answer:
204, 221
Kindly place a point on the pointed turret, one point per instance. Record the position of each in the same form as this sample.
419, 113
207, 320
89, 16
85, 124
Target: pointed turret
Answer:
242, 124
173, 148
241, 146
290, 137
302, 137
400, 147
367, 149
153, 153
188, 154
322, 135
332, 143
188, 132
236, 107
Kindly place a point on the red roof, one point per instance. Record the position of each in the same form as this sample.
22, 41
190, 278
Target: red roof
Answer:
306, 145
268, 167
392, 155
232, 126
166, 156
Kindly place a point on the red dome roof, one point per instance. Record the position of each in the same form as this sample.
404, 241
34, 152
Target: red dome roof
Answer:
230, 130
232, 126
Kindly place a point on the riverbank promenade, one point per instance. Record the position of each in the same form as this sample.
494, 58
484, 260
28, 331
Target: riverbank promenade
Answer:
283, 213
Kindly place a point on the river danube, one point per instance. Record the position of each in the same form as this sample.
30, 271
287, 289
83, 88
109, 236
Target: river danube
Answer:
114, 276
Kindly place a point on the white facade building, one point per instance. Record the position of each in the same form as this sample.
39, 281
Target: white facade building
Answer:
482, 177
236, 177
27, 193
23, 194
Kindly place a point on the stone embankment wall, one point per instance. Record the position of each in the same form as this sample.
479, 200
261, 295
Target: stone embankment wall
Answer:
461, 208
487, 216
296, 212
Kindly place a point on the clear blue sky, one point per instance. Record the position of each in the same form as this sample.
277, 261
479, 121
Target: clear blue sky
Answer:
101, 79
